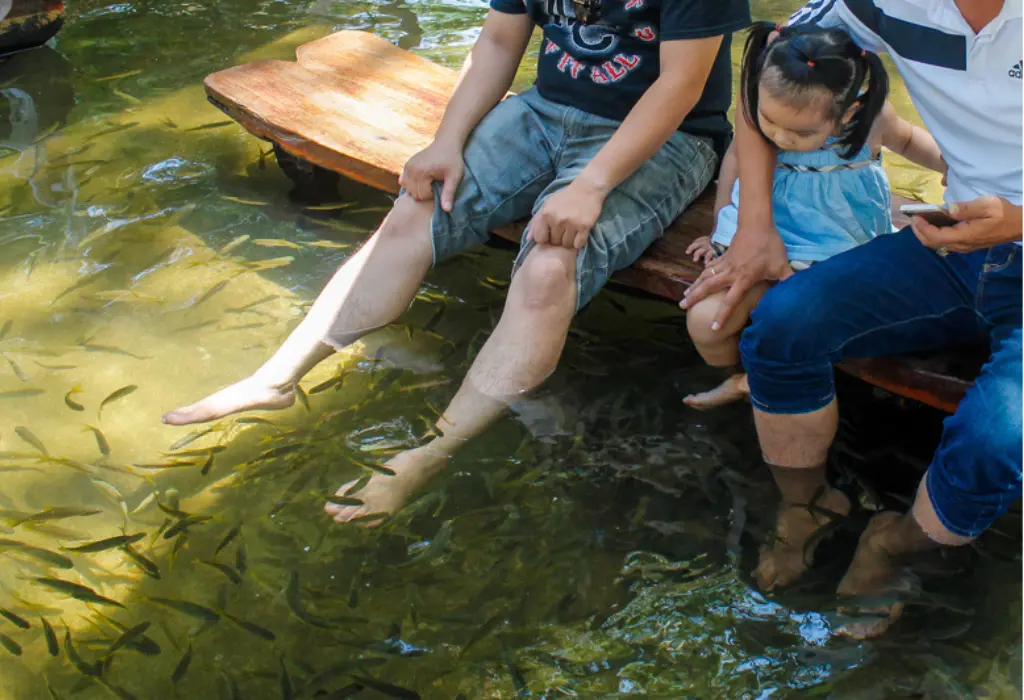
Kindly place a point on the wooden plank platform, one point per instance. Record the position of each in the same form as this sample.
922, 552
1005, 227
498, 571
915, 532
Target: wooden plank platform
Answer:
355, 104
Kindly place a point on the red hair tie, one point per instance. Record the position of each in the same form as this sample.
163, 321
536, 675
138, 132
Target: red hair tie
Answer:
811, 64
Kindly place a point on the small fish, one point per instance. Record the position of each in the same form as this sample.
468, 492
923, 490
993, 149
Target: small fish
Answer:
211, 125
118, 76
228, 572
148, 566
252, 628
196, 326
169, 123
116, 395
254, 420
300, 394
52, 645
241, 559
271, 264
182, 668
285, 681
73, 405
10, 645
43, 555
254, 304
56, 368
279, 451
344, 501
86, 669
184, 524
207, 465
101, 440
329, 244
209, 293
111, 350
127, 636
26, 435
231, 535
334, 206
189, 439
18, 371
56, 513
276, 243
292, 597
76, 591
83, 282
130, 99
194, 610
239, 200
201, 452
388, 689
169, 464
16, 620
20, 393
105, 544
6, 328
233, 244
330, 383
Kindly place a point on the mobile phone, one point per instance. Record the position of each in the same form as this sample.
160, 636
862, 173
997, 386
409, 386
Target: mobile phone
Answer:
932, 213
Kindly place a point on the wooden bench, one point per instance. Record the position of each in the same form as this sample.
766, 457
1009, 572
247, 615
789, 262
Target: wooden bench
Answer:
355, 104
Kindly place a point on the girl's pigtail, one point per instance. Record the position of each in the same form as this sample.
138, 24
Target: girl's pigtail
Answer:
870, 102
754, 53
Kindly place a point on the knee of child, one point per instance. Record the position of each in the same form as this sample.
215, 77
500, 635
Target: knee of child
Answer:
699, 318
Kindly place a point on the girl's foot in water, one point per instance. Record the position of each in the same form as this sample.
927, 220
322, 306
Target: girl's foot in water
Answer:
247, 395
384, 495
733, 389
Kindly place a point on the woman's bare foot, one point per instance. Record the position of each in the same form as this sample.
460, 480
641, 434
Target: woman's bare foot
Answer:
786, 561
733, 389
385, 495
247, 395
874, 574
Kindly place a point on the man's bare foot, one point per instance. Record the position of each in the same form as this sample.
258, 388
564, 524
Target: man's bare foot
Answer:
247, 395
875, 577
385, 495
784, 562
733, 389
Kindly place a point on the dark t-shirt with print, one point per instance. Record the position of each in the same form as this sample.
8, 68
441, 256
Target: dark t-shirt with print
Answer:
605, 67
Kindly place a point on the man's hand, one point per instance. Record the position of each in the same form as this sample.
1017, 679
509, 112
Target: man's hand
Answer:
568, 216
749, 260
984, 222
441, 161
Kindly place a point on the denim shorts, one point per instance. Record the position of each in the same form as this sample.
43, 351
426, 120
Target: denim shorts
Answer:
528, 148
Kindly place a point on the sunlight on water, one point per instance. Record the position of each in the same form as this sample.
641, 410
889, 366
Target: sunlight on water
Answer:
597, 543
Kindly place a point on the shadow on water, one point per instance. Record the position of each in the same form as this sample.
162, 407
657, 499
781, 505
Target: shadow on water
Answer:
596, 543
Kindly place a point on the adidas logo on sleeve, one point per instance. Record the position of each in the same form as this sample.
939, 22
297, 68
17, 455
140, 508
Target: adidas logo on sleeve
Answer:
1016, 71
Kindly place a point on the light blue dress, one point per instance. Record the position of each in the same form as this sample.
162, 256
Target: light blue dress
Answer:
823, 203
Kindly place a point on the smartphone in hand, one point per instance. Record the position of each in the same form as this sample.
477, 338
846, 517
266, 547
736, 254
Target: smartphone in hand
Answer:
932, 213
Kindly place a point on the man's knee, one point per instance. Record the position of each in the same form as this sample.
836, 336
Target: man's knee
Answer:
408, 220
547, 277
786, 326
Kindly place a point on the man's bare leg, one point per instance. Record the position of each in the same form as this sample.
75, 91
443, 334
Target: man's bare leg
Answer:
796, 447
370, 290
877, 566
521, 353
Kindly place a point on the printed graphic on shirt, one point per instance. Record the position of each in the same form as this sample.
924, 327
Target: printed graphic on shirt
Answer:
1015, 72
592, 52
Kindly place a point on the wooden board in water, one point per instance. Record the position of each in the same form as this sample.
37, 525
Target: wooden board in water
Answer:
355, 104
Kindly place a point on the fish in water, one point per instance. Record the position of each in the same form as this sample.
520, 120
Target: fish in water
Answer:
43, 555
71, 403
184, 524
241, 559
148, 566
56, 513
189, 439
251, 628
115, 396
182, 668
10, 645
29, 437
287, 690
93, 670
18, 371
185, 607
388, 689
6, 328
234, 243
76, 591
292, 597
118, 76
276, 243
127, 636
101, 441
52, 645
228, 572
271, 264
16, 620
20, 393
211, 125
111, 350
231, 535
211, 292
207, 465
105, 544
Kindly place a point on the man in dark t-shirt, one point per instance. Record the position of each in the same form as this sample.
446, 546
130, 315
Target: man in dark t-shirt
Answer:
624, 128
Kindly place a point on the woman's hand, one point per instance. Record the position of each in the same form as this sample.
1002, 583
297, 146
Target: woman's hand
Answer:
748, 260
568, 216
442, 162
984, 222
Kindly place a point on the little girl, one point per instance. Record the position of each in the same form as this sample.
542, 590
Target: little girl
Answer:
822, 101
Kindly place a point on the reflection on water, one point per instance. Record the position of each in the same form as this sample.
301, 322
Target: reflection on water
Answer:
595, 544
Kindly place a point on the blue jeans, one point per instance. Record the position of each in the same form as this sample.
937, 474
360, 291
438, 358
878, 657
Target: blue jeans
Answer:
527, 148
891, 296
